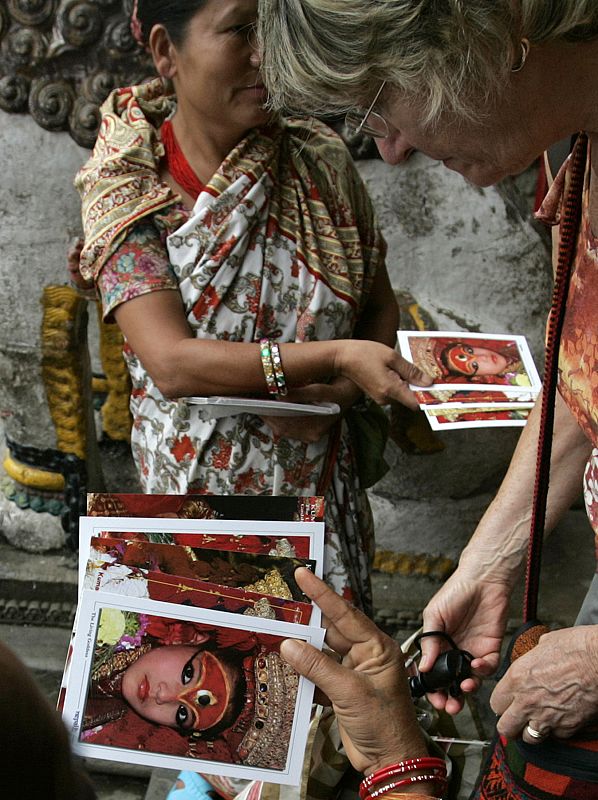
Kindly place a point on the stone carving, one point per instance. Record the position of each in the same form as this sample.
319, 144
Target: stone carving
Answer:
59, 59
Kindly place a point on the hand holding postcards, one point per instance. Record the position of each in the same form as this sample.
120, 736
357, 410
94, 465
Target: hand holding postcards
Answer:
480, 379
174, 660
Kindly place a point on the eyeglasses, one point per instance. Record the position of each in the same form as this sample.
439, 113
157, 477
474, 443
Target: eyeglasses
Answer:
368, 121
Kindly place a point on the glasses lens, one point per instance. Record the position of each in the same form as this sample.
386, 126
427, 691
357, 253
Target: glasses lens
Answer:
375, 124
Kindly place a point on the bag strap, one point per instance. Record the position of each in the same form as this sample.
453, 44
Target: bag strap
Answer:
569, 225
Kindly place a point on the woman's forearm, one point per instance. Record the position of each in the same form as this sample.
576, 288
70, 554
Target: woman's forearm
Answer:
181, 365
498, 547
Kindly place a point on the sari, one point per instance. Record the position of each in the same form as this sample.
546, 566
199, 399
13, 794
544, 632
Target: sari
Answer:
282, 243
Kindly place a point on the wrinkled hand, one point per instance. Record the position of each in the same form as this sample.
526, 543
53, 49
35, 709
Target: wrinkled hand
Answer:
368, 689
380, 371
311, 428
554, 686
474, 613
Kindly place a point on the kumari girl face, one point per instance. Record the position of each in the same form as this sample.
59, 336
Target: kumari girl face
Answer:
475, 360
181, 687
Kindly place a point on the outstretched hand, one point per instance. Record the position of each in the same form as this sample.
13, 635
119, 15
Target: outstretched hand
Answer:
380, 371
473, 612
368, 689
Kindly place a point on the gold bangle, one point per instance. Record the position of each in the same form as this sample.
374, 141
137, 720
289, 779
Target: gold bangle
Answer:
278, 370
267, 365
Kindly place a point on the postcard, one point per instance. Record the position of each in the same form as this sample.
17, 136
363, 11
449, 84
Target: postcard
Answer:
270, 575
477, 397
186, 688
217, 406
105, 574
453, 417
155, 528
206, 506
298, 547
463, 360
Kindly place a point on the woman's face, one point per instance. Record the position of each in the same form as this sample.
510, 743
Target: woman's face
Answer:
470, 361
506, 143
181, 687
215, 69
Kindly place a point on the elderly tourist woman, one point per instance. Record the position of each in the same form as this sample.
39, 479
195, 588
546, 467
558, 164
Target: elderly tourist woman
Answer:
239, 254
483, 86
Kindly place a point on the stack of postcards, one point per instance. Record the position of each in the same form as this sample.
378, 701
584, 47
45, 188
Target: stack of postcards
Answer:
174, 660
480, 379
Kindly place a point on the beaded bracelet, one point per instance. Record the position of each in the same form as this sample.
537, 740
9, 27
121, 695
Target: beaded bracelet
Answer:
268, 366
437, 766
278, 370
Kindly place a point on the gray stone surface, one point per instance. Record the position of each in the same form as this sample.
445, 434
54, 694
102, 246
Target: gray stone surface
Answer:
39, 213
434, 527
30, 530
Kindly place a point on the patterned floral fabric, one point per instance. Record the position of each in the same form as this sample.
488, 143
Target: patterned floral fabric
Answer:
578, 357
283, 243
139, 266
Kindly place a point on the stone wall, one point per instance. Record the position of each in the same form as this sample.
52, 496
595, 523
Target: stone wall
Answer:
39, 214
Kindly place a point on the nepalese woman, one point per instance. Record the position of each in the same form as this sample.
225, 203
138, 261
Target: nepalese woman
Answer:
483, 86
192, 690
210, 226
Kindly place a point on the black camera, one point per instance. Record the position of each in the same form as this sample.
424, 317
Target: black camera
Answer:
450, 668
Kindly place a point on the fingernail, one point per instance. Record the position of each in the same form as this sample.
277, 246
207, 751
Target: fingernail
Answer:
290, 649
423, 662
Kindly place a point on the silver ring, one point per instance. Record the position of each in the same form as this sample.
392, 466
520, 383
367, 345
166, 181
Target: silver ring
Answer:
537, 735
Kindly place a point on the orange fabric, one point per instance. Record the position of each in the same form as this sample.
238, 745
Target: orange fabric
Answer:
549, 781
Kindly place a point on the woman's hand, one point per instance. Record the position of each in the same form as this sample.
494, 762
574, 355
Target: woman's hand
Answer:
73, 254
473, 612
379, 371
554, 686
312, 428
368, 688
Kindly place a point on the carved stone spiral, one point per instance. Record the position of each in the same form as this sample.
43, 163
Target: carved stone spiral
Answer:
79, 22
31, 12
97, 86
107, 4
24, 47
14, 93
84, 122
51, 102
118, 39
4, 22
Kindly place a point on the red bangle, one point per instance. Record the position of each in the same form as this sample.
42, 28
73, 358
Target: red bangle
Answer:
409, 781
409, 765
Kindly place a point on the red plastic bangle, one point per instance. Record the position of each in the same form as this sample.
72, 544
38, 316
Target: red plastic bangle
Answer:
409, 781
409, 765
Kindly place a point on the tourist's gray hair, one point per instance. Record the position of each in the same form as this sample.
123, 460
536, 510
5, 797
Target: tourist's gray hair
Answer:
327, 56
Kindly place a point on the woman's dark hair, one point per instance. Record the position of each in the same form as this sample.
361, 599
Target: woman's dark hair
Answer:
175, 15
